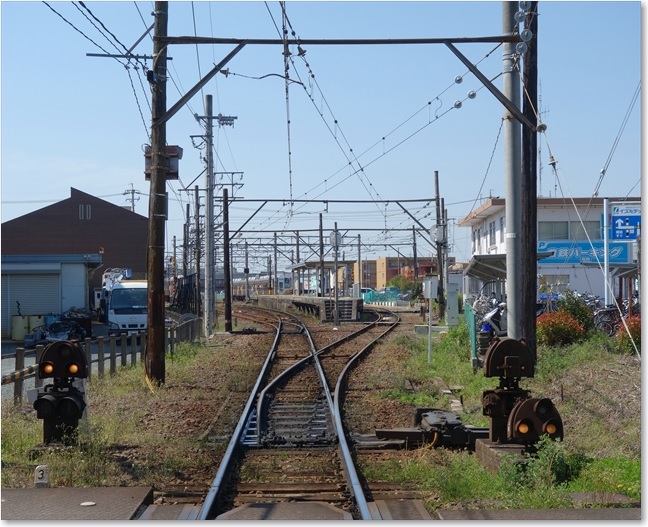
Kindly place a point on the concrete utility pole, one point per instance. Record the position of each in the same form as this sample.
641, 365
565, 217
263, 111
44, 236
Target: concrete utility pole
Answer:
185, 246
446, 267
276, 278
197, 250
359, 266
511, 89
226, 264
132, 199
209, 219
320, 289
439, 248
246, 272
336, 313
414, 253
156, 342
299, 288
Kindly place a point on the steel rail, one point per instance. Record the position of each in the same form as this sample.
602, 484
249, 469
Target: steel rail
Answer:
263, 399
214, 489
349, 466
260, 396
356, 486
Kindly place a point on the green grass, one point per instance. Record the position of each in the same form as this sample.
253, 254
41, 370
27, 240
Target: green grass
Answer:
117, 404
449, 476
547, 480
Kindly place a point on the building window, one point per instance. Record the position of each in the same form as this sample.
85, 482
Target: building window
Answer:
491, 233
588, 229
501, 229
85, 212
569, 230
553, 230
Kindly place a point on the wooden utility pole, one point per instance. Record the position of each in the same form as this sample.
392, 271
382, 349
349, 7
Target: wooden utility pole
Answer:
529, 190
155, 342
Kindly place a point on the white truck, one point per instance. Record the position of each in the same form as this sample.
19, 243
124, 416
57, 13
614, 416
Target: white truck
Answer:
124, 302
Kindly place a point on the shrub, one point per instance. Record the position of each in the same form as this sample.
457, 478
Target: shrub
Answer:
577, 308
558, 329
624, 339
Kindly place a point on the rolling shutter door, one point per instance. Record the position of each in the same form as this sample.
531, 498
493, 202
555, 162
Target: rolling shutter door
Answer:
38, 294
6, 315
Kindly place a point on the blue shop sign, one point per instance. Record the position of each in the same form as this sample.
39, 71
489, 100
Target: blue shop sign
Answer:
573, 252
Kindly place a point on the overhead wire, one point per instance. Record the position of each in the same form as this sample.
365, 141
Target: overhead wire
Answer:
286, 56
301, 53
130, 59
125, 64
617, 139
431, 120
325, 182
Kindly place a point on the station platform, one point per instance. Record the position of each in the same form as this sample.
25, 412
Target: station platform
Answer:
136, 503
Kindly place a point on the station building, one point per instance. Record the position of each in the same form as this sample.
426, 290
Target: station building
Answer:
571, 246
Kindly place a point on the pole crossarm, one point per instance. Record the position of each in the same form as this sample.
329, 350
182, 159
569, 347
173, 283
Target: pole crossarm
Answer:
416, 220
508, 104
338, 41
183, 100
286, 201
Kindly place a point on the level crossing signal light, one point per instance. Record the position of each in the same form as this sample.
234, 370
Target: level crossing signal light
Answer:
531, 419
516, 417
61, 403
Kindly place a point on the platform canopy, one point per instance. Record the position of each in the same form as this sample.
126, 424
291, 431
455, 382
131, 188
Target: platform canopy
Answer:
315, 264
488, 267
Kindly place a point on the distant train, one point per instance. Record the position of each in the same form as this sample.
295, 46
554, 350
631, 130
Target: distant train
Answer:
261, 285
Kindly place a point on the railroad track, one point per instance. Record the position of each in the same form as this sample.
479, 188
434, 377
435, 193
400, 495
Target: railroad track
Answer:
290, 443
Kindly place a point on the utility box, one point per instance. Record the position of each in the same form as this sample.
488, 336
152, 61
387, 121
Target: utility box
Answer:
452, 305
174, 154
430, 287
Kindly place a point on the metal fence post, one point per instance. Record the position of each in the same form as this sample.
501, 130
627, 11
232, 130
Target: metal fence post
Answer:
134, 338
87, 347
38, 382
122, 349
143, 346
113, 354
100, 357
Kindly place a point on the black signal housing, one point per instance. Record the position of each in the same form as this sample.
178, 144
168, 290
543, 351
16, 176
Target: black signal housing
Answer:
63, 359
61, 404
531, 419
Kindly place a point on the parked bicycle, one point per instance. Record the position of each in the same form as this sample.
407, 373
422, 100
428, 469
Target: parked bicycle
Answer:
607, 320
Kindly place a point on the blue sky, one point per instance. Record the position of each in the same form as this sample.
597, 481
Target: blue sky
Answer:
367, 123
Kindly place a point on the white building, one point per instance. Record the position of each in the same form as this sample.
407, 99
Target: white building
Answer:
570, 246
